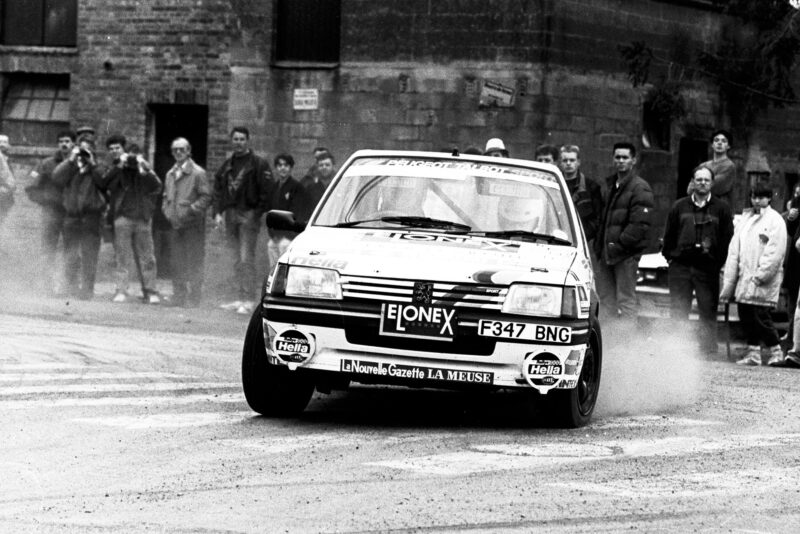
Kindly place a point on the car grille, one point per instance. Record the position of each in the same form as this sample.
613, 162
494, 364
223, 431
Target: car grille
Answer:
397, 290
467, 299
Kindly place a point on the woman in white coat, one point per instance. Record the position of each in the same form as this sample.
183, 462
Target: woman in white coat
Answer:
753, 274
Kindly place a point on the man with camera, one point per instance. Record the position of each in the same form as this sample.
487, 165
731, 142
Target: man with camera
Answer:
698, 230
81, 178
134, 191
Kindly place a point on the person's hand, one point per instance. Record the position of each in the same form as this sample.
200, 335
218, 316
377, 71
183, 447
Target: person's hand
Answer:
219, 221
73, 155
143, 164
793, 213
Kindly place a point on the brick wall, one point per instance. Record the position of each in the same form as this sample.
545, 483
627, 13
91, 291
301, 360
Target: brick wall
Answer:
410, 77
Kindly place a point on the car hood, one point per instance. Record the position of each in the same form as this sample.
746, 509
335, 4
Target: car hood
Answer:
421, 255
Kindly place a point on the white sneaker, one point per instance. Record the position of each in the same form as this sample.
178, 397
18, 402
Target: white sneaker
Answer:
121, 296
776, 356
230, 306
753, 357
153, 298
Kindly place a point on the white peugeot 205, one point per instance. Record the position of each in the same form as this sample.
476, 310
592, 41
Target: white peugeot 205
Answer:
431, 270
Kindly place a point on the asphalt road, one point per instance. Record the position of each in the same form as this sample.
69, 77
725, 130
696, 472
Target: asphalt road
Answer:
128, 419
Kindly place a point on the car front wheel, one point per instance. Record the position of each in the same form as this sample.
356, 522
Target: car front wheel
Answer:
271, 390
573, 408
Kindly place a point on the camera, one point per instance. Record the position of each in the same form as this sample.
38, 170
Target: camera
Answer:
131, 162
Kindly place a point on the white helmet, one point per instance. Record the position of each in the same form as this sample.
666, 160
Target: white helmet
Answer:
515, 213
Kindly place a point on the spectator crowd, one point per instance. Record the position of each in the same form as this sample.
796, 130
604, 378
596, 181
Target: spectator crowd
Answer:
83, 197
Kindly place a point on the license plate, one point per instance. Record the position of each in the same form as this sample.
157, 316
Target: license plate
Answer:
422, 322
525, 331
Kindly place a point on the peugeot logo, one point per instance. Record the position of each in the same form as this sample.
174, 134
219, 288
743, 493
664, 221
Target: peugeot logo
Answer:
423, 292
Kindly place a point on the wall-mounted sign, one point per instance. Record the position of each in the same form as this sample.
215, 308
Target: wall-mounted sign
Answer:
496, 94
305, 99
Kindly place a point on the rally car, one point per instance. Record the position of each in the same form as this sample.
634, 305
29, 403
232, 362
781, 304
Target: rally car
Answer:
431, 270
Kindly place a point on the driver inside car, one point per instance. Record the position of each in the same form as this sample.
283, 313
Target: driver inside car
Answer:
514, 213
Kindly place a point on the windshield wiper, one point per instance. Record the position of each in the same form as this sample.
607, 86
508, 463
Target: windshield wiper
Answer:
426, 222
409, 220
548, 238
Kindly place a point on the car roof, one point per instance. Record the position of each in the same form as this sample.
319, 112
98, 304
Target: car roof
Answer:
459, 157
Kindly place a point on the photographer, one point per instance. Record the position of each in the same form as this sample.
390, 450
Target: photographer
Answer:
696, 237
83, 201
134, 191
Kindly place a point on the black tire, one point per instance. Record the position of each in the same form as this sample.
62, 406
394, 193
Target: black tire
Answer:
271, 390
573, 408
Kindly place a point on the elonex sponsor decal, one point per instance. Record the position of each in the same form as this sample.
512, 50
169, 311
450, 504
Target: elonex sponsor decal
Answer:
415, 372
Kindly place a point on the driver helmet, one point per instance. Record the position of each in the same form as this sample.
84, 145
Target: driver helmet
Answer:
515, 213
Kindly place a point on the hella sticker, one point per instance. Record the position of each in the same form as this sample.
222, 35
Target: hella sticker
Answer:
542, 370
293, 346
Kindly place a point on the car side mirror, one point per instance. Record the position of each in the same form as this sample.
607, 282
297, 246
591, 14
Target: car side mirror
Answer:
284, 220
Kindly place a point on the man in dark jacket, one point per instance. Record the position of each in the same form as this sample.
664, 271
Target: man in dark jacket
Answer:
623, 235
696, 237
81, 179
586, 194
316, 185
242, 190
134, 191
288, 195
49, 196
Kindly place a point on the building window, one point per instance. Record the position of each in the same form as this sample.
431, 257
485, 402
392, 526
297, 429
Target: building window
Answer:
39, 22
307, 31
35, 108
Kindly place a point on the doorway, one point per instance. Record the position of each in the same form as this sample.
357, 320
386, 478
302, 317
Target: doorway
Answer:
692, 152
165, 122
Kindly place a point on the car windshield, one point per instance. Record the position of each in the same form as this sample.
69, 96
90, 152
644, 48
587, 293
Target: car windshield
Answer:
448, 195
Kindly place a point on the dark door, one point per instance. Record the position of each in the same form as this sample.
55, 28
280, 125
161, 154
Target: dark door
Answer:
167, 122
692, 152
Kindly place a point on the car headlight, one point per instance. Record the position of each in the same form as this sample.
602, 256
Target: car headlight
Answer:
313, 283
526, 299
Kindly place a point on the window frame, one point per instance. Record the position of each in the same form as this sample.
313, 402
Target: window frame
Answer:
290, 28
60, 35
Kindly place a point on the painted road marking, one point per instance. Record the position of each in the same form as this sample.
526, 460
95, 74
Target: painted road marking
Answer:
31, 377
500, 456
109, 388
692, 485
164, 420
53, 366
222, 398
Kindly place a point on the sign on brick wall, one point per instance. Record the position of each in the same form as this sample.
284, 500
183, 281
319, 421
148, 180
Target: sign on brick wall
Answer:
305, 99
496, 94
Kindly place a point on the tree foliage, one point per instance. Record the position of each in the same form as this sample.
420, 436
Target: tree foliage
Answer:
752, 62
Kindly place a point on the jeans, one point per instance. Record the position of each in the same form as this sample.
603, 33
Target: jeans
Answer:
241, 236
683, 281
81, 247
52, 231
188, 263
133, 247
616, 287
757, 324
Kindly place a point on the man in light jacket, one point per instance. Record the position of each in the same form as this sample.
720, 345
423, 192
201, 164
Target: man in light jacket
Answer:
187, 195
753, 274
